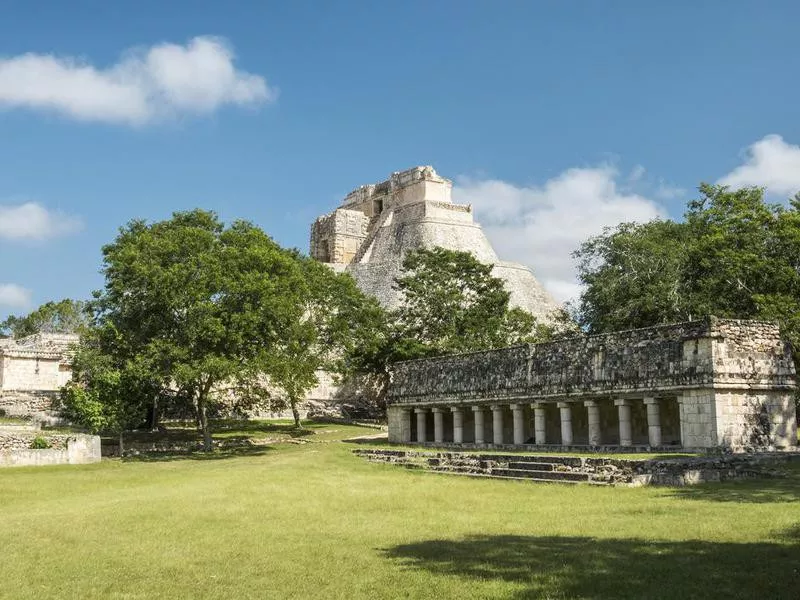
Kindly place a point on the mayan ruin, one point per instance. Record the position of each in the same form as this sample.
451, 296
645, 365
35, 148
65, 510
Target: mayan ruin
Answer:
32, 370
703, 384
378, 224
462, 300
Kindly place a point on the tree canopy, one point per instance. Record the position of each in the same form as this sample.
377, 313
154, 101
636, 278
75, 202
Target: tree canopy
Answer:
64, 316
734, 255
201, 311
450, 303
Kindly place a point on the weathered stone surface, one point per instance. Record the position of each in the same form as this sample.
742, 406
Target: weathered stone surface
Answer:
410, 210
724, 383
32, 369
72, 449
676, 472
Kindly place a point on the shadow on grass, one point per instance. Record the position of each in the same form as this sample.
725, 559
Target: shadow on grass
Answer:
785, 488
288, 429
216, 454
379, 442
582, 567
220, 430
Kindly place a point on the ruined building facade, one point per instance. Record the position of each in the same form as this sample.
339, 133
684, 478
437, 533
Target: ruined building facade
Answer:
377, 225
700, 384
32, 370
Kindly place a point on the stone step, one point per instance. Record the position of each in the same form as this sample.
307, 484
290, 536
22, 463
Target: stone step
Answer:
485, 475
545, 475
456, 469
533, 466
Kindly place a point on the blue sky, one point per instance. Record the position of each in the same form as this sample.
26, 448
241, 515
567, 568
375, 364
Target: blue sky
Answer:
553, 118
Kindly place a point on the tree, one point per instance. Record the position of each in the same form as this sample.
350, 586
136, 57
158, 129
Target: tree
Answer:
103, 398
735, 256
633, 276
451, 303
198, 306
335, 317
65, 316
205, 312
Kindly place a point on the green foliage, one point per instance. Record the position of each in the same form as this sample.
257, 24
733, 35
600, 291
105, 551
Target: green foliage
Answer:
196, 311
734, 256
65, 316
40, 443
633, 276
335, 317
451, 303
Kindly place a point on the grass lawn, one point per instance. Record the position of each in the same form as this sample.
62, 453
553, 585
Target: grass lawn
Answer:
230, 430
314, 521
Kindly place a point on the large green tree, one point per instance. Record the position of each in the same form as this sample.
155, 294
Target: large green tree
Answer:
734, 255
334, 318
203, 311
64, 316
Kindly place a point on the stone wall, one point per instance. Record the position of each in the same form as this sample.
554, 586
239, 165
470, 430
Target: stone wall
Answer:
718, 383
21, 440
32, 370
669, 357
337, 237
29, 403
72, 449
678, 471
29, 370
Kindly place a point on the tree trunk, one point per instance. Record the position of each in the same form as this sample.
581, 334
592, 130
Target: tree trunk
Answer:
295, 413
203, 418
154, 416
121, 447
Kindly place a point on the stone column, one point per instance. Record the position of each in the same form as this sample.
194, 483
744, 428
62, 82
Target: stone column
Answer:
421, 424
625, 431
497, 424
538, 423
593, 410
519, 423
438, 425
653, 421
405, 425
458, 424
566, 423
478, 413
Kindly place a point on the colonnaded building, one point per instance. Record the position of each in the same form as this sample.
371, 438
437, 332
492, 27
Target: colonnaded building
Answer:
699, 384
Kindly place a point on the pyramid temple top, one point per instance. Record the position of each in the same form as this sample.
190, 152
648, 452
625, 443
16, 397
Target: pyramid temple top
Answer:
402, 187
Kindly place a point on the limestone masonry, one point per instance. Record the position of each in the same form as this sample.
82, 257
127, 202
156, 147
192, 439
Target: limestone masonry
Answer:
699, 384
377, 225
32, 369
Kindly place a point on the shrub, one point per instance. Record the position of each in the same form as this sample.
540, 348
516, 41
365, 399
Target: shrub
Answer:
40, 443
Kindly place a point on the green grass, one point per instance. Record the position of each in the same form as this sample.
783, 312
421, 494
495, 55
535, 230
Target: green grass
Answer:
315, 521
276, 430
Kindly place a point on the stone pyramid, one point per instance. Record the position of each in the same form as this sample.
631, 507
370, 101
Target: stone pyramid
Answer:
377, 225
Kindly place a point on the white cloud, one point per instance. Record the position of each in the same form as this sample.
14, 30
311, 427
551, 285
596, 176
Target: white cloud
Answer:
13, 295
32, 221
145, 85
771, 163
668, 191
541, 226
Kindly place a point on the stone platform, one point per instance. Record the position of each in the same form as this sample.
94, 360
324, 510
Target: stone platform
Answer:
678, 471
